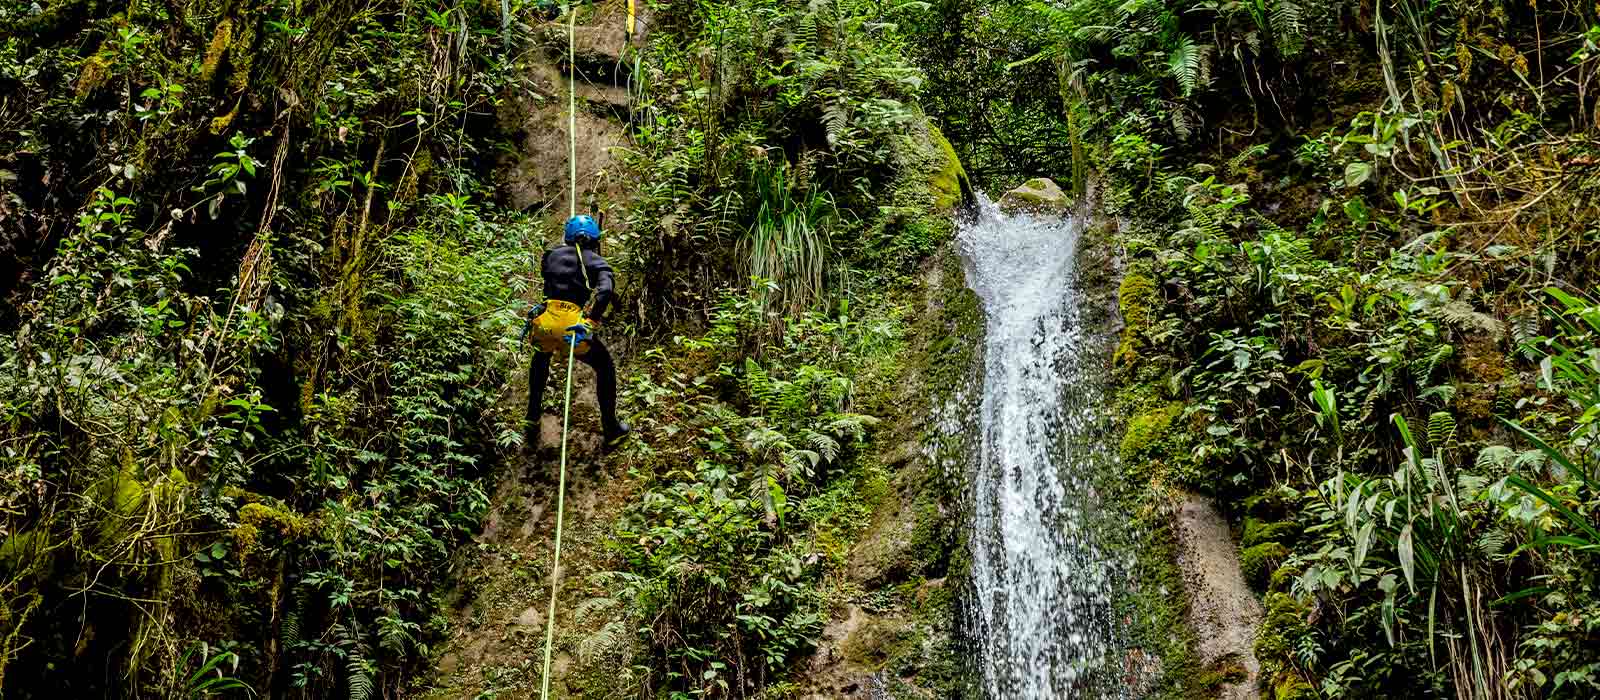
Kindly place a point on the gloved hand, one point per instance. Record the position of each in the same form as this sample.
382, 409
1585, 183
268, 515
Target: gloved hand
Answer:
578, 333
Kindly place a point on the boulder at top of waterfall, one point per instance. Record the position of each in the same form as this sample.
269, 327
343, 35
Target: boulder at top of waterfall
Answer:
1039, 195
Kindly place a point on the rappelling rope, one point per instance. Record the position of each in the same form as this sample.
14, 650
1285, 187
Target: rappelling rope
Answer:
561, 506
572, 347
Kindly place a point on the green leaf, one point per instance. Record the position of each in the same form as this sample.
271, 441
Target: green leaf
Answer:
1363, 545
1357, 173
1554, 454
1541, 494
1405, 549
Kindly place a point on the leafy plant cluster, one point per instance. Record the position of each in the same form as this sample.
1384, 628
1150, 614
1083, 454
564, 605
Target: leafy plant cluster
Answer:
256, 347
765, 134
1341, 337
749, 500
1340, 226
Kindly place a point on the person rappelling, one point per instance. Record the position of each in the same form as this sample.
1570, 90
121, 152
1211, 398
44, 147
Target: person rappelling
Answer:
573, 273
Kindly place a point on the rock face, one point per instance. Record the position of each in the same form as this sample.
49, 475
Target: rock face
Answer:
1039, 195
536, 177
1223, 613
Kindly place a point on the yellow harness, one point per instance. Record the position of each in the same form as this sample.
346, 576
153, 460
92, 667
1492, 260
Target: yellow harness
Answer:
550, 328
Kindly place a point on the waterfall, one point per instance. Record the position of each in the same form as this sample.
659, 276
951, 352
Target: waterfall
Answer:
1041, 608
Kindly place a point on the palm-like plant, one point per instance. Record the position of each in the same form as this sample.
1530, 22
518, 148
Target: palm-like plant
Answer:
789, 241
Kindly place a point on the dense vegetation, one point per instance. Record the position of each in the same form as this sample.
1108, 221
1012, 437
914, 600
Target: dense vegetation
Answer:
260, 328
262, 317
263, 329
1359, 261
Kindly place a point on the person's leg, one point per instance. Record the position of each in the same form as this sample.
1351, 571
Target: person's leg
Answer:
538, 376
605, 388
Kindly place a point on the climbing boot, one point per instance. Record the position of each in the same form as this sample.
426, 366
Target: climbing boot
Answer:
615, 435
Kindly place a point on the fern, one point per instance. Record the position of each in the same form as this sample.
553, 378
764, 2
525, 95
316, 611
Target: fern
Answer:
289, 630
1493, 542
1493, 458
1525, 334
1188, 64
1460, 314
589, 607
605, 639
358, 675
1238, 162
835, 118
1441, 430
757, 383
824, 445
1288, 33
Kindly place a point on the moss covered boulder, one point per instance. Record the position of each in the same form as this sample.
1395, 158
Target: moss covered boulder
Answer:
1040, 195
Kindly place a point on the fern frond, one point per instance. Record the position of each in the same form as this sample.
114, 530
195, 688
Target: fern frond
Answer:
802, 461
763, 440
1186, 63
1441, 430
834, 120
591, 606
609, 637
757, 383
1525, 329
1493, 542
1528, 459
823, 444
1493, 457
289, 631
1460, 314
1288, 33
358, 675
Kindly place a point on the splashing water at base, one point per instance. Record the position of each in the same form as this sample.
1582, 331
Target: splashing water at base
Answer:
1041, 610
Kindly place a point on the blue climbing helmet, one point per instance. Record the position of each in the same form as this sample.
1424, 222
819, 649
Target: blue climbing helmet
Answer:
582, 228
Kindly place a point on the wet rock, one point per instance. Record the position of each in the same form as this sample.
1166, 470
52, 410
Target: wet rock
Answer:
531, 617
1223, 613
1039, 195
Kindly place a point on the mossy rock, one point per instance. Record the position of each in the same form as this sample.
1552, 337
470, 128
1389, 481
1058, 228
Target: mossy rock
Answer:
1039, 195
1148, 430
1282, 629
1138, 297
949, 183
1257, 531
1259, 561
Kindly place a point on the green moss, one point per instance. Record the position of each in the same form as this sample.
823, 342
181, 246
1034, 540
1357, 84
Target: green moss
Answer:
1257, 531
1137, 300
1281, 632
1147, 430
218, 48
1259, 561
288, 524
121, 496
1223, 673
241, 56
95, 72
23, 551
876, 642
949, 182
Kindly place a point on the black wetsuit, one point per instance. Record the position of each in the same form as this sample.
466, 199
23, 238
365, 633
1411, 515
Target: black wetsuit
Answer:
564, 280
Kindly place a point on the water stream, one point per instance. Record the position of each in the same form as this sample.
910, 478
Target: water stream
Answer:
1041, 611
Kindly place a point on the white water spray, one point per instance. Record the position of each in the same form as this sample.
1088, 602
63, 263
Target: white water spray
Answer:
1041, 609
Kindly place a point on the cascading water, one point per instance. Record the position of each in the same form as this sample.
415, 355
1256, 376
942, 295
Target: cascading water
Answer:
1041, 610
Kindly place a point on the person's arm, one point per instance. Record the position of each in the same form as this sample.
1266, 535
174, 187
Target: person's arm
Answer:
601, 277
544, 266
